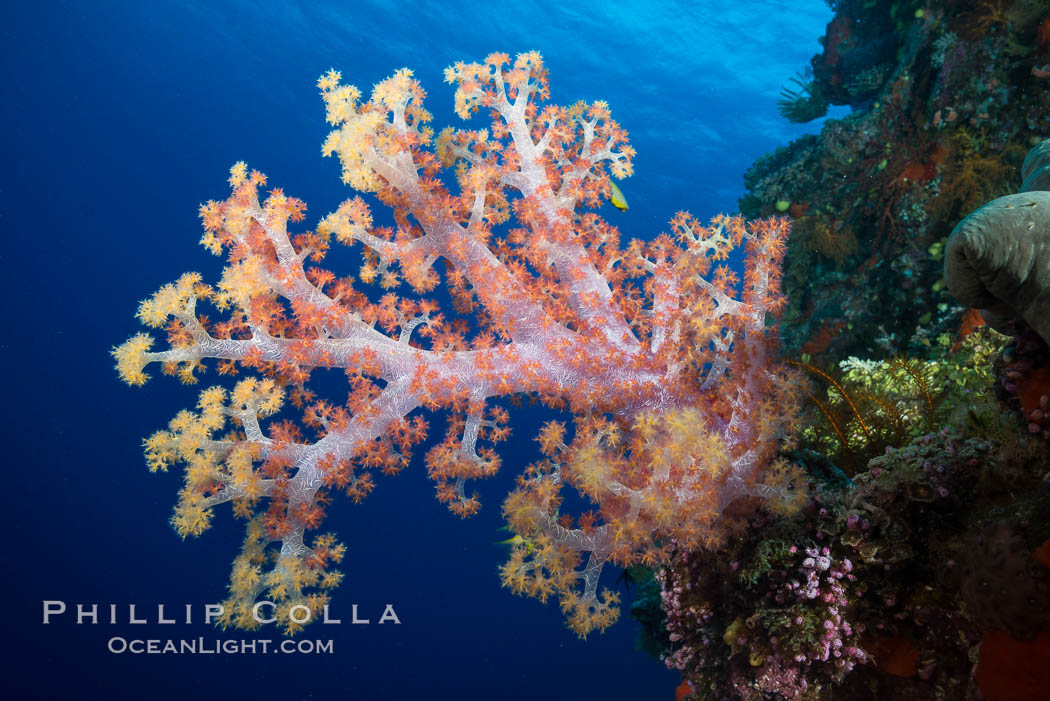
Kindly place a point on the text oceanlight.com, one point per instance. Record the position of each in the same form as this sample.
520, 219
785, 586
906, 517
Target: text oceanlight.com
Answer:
216, 646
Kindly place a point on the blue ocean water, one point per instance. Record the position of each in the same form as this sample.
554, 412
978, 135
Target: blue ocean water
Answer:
119, 118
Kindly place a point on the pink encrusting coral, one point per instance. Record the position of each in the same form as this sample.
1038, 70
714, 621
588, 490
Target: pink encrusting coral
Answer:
662, 355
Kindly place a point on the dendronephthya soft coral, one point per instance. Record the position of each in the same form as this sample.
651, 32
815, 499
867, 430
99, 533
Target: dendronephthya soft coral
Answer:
662, 355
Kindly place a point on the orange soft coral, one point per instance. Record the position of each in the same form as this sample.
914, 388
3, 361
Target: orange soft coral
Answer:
666, 361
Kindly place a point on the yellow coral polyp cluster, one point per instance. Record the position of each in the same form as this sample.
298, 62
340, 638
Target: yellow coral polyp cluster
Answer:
172, 306
352, 220
187, 435
171, 300
294, 589
391, 120
238, 174
240, 283
539, 568
240, 464
468, 95
209, 463
192, 514
255, 394
586, 615
132, 359
352, 144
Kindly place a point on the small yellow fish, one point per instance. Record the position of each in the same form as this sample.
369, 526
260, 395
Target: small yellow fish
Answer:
617, 199
516, 541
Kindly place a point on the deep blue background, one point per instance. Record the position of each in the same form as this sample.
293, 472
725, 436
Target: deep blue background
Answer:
118, 119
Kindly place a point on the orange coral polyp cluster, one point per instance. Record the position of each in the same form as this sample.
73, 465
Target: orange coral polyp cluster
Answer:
662, 354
